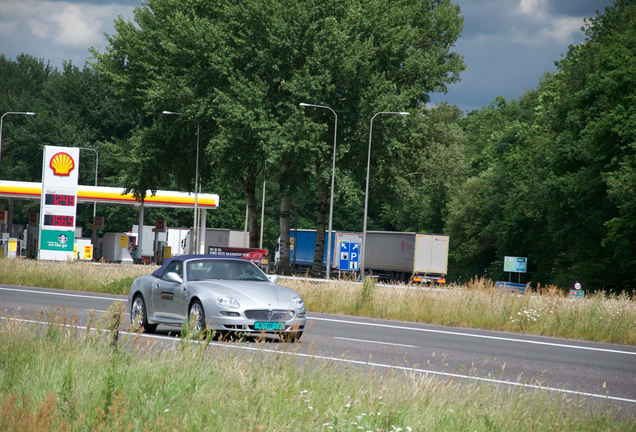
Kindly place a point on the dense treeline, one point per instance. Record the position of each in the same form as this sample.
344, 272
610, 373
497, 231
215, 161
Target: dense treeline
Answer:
553, 173
549, 176
240, 69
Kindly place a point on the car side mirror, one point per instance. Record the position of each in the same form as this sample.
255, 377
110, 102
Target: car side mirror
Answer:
174, 277
273, 278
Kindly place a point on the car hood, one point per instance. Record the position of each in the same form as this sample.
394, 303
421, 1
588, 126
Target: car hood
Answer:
263, 294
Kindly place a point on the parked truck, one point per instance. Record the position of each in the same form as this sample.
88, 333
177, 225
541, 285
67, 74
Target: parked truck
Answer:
218, 237
407, 257
303, 249
396, 256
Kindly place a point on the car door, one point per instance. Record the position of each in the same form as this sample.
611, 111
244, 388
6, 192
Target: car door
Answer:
167, 295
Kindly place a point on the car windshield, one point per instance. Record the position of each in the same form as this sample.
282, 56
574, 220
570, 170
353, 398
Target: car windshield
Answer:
209, 269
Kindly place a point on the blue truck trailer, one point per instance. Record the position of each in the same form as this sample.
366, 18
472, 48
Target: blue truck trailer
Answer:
302, 250
396, 256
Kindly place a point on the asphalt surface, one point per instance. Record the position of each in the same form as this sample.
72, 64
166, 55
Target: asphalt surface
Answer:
602, 372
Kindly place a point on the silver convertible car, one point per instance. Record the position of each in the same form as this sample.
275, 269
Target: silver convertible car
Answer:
220, 293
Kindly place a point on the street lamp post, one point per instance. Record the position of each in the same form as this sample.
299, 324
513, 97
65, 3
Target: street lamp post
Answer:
94, 231
96, 168
195, 240
262, 216
2, 118
366, 196
10, 221
333, 173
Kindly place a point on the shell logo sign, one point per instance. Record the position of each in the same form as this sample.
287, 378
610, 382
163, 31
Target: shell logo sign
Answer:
62, 164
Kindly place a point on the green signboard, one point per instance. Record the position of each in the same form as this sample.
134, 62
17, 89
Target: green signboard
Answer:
515, 264
55, 240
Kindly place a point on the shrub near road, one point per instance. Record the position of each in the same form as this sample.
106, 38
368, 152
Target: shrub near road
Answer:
64, 378
478, 304
549, 312
72, 275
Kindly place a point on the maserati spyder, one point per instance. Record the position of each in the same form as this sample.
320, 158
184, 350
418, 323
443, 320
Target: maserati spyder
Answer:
223, 294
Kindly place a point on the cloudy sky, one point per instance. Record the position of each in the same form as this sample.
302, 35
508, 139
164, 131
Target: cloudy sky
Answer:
507, 44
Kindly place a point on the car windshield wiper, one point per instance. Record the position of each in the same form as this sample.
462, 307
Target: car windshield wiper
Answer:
250, 277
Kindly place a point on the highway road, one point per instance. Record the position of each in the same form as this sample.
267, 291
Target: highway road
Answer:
597, 371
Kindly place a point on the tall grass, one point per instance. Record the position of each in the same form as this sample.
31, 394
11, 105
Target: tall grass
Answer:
71, 379
478, 304
548, 311
72, 275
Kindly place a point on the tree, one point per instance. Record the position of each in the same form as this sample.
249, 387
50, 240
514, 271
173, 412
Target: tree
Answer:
553, 172
242, 68
74, 107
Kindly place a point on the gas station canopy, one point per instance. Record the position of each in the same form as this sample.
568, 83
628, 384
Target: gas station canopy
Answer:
112, 195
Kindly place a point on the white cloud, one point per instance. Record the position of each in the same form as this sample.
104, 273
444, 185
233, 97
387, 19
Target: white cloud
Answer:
57, 30
562, 29
38, 28
533, 6
77, 26
70, 24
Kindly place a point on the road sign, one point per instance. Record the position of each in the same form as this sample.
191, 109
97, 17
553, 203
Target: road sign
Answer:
58, 203
98, 222
88, 253
349, 256
515, 264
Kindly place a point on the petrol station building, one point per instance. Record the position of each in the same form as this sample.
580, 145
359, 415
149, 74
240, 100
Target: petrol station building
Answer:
59, 195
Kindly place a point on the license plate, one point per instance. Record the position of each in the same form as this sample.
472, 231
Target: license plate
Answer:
269, 325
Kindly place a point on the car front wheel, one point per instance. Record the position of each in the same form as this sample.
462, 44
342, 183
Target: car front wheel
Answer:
196, 317
139, 317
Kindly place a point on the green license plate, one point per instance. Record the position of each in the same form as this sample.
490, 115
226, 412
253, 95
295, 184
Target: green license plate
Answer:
269, 325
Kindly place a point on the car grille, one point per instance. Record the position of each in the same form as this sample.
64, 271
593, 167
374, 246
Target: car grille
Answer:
265, 315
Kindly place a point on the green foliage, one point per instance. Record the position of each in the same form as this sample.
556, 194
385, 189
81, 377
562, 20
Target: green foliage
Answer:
214, 388
73, 108
240, 70
553, 172
120, 286
67, 402
366, 294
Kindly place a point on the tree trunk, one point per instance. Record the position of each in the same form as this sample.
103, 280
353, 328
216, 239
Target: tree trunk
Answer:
284, 266
321, 217
249, 186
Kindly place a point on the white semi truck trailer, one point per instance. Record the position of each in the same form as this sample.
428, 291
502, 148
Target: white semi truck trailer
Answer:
390, 255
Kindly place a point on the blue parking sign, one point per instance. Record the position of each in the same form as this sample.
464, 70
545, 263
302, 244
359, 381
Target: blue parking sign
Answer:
344, 255
354, 256
349, 256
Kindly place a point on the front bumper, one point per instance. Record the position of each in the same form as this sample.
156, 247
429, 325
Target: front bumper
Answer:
245, 325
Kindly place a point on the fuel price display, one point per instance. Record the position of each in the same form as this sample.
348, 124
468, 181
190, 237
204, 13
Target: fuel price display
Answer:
59, 200
59, 221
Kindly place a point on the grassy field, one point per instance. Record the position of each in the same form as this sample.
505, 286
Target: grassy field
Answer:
548, 311
71, 275
66, 378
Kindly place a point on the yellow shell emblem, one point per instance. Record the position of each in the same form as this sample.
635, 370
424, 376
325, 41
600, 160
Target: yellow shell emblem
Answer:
62, 164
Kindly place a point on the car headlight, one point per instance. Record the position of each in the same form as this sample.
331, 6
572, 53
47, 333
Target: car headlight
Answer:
228, 302
300, 304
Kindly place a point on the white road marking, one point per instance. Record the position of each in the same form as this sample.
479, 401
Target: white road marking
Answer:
363, 363
63, 294
376, 342
381, 325
474, 335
